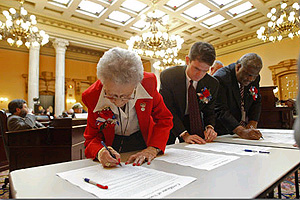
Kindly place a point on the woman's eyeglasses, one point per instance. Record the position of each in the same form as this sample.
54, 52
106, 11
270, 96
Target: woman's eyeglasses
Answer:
122, 97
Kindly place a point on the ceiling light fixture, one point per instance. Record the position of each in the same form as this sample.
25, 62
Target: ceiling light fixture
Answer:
155, 43
283, 22
20, 28
166, 63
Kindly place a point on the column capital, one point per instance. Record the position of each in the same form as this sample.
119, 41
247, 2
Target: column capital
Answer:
35, 47
59, 43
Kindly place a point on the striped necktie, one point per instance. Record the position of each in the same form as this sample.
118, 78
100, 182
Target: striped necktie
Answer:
196, 126
243, 119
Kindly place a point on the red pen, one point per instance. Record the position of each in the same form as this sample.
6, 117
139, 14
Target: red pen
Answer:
94, 183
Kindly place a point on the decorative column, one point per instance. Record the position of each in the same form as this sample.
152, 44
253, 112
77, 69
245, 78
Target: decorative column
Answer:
60, 46
33, 74
156, 72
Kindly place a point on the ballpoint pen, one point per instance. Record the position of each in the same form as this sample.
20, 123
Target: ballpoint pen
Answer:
252, 127
94, 183
112, 155
254, 151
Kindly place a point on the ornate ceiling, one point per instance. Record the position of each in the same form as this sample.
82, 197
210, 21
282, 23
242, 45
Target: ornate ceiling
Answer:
97, 27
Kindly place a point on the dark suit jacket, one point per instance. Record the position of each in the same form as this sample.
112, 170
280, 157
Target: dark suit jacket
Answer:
228, 105
173, 89
15, 122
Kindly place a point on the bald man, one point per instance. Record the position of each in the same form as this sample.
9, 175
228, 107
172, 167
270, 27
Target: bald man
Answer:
238, 103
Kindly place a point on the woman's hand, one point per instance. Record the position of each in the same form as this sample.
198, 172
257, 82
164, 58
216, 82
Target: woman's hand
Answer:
147, 155
105, 158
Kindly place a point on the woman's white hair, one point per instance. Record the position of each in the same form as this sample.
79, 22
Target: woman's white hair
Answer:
120, 66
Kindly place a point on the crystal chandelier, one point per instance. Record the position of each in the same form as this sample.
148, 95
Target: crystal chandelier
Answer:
20, 28
155, 43
166, 63
283, 22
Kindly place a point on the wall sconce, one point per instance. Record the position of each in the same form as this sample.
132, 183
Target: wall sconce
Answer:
71, 100
3, 99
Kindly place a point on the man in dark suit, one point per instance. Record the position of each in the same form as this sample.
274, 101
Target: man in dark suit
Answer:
238, 104
176, 82
21, 118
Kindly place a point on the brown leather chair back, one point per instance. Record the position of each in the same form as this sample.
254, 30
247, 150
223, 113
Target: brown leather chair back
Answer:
3, 121
3, 129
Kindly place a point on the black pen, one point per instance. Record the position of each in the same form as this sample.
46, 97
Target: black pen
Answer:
112, 155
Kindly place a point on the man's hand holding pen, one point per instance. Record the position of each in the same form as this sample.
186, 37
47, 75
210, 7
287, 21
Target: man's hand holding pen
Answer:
250, 134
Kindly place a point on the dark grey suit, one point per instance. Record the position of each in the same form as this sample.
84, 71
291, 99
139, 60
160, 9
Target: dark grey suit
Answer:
228, 105
173, 90
15, 122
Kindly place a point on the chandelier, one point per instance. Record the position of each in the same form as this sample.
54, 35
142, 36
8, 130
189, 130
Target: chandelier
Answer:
166, 63
283, 22
155, 43
20, 28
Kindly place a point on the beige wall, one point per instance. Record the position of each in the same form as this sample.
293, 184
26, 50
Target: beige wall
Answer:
12, 85
271, 54
15, 63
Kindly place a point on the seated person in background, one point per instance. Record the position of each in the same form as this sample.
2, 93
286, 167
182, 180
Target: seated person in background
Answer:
239, 99
125, 111
217, 65
71, 112
77, 107
290, 103
179, 83
64, 114
20, 117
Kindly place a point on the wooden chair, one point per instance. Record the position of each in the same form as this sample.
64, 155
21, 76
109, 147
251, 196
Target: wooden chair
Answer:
3, 146
35, 147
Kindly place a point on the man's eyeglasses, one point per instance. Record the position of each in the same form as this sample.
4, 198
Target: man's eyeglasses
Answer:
122, 97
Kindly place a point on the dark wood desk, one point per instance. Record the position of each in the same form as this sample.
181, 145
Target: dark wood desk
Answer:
3, 159
272, 116
58, 143
278, 117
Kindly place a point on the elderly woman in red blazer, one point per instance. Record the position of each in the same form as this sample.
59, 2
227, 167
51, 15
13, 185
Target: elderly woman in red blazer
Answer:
125, 111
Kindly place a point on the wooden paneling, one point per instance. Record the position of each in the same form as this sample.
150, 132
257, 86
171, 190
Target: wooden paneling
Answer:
61, 142
272, 116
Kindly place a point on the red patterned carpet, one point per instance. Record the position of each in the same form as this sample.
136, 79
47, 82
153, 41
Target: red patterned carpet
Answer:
287, 187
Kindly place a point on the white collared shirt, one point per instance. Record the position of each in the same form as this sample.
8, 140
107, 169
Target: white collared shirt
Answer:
129, 118
187, 91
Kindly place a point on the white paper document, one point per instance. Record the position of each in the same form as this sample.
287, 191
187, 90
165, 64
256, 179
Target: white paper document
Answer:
280, 131
229, 148
199, 160
127, 181
276, 136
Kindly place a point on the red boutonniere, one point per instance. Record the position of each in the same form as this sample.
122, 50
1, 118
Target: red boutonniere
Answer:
204, 95
253, 91
106, 119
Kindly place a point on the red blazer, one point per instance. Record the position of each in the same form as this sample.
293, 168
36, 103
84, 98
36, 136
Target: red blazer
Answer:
155, 121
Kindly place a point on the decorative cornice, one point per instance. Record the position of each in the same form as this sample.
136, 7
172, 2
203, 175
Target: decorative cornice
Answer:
235, 41
79, 29
73, 52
